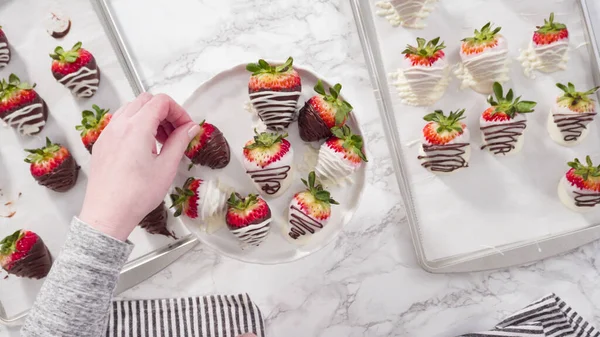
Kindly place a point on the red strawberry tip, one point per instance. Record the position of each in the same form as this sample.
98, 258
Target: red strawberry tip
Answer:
181, 196
342, 107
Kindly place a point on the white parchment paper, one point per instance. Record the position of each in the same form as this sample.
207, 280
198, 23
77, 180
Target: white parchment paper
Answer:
39, 209
496, 201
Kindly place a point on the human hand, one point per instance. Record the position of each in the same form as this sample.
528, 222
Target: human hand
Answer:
127, 178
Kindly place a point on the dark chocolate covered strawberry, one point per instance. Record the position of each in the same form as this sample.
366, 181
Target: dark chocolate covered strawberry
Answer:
21, 107
274, 92
92, 124
4, 49
76, 69
24, 254
249, 218
322, 112
209, 147
53, 166
156, 221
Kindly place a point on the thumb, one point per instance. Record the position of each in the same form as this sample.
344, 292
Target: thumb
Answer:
178, 140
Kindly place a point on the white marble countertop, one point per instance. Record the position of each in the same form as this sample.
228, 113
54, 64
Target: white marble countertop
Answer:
368, 282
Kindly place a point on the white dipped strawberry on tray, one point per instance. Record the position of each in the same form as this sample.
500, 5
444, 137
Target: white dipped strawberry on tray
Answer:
445, 145
425, 73
249, 218
268, 160
408, 13
579, 189
310, 210
571, 114
340, 156
199, 199
484, 60
548, 50
502, 125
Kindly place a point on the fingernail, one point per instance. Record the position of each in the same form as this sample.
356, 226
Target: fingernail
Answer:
193, 131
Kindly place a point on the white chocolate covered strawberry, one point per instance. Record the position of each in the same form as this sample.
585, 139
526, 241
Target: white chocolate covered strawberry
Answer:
445, 146
571, 114
268, 160
502, 125
548, 50
249, 218
484, 59
408, 13
340, 156
579, 189
310, 210
199, 199
424, 75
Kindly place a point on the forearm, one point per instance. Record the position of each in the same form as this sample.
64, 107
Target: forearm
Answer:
75, 298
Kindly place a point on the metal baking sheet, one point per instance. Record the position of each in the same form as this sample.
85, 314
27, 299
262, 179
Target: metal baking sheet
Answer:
491, 258
120, 83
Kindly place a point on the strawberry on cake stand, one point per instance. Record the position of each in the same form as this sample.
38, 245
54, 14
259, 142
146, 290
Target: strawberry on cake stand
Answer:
445, 147
408, 13
579, 189
249, 219
199, 199
484, 60
340, 156
502, 125
571, 114
423, 78
548, 50
209, 148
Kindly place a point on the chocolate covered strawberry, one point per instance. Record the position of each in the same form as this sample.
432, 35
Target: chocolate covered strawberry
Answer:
21, 107
76, 69
53, 166
274, 92
156, 221
4, 49
268, 160
340, 156
322, 112
502, 125
571, 114
209, 147
579, 188
548, 50
249, 218
445, 144
199, 199
484, 59
24, 254
425, 73
92, 124
310, 210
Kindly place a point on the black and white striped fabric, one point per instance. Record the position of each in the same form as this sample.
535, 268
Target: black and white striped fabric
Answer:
547, 317
210, 316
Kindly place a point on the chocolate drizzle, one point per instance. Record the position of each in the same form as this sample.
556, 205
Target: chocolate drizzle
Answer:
277, 109
156, 222
5, 53
84, 82
501, 138
36, 264
63, 177
571, 125
444, 158
311, 125
28, 119
215, 153
586, 199
270, 179
302, 223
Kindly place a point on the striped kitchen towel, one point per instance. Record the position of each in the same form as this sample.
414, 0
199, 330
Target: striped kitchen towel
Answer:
209, 316
547, 317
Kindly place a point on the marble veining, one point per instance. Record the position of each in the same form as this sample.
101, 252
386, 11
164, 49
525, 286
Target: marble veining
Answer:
367, 282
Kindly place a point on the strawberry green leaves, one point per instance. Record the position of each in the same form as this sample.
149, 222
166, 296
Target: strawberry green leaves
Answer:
573, 97
14, 84
585, 171
42, 154
351, 141
69, 56
445, 123
509, 105
263, 67
485, 35
238, 202
317, 190
265, 140
8, 245
91, 119
181, 196
550, 26
424, 48
341, 107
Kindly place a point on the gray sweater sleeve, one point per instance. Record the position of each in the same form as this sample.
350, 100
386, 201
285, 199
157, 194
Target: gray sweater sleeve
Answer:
76, 296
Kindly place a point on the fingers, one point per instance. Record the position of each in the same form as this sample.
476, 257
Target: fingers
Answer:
161, 108
177, 142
